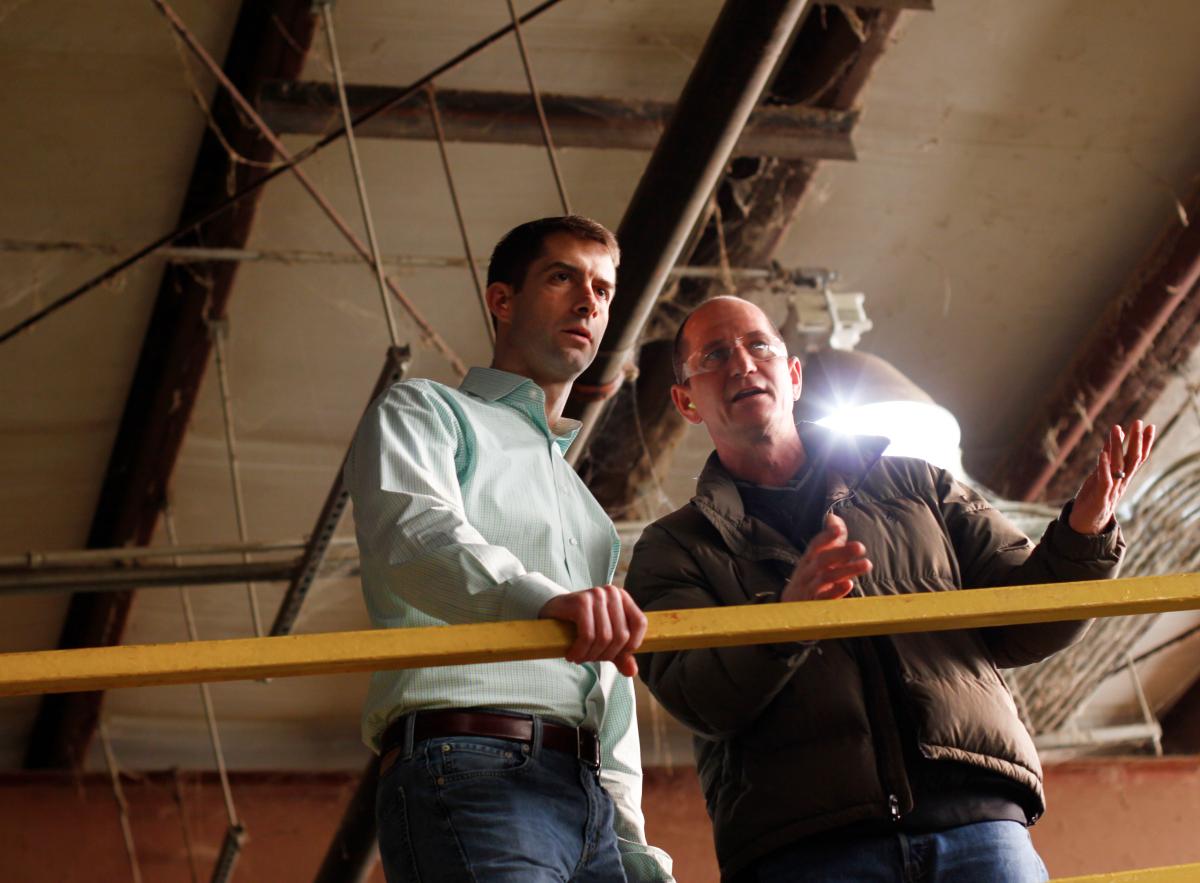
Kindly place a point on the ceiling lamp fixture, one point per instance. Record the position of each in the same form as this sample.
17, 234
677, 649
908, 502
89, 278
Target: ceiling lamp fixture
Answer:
861, 394
852, 392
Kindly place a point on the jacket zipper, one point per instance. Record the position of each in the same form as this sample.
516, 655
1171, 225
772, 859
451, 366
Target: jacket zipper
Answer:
894, 807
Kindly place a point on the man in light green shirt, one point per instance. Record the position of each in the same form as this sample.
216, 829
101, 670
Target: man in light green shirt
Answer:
466, 511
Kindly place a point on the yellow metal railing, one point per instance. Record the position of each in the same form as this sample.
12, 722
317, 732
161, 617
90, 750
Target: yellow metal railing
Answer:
102, 668
1172, 874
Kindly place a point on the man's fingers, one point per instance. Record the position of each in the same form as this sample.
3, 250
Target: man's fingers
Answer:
626, 665
846, 571
840, 554
833, 534
1104, 471
635, 619
617, 630
602, 625
579, 614
834, 590
1148, 435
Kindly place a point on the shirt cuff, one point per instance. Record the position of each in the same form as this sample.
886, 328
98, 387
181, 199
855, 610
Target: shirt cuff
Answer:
526, 595
644, 863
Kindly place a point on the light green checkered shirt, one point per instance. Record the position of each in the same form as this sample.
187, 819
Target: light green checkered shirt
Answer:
466, 511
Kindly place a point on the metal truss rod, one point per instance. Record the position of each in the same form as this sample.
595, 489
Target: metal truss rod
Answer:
219, 329
430, 336
102, 668
536, 94
436, 118
395, 366
360, 181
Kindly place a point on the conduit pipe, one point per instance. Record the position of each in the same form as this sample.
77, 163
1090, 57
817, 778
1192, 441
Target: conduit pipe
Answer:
742, 50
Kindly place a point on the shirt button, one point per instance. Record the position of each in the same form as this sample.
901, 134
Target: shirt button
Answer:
573, 541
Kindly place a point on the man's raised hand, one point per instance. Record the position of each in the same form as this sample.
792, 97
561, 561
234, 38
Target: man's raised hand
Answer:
1096, 503
608, 625
829, 565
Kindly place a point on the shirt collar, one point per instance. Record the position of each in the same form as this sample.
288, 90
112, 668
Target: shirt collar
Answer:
521, 394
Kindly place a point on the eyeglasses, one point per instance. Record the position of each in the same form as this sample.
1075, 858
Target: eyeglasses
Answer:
716, 356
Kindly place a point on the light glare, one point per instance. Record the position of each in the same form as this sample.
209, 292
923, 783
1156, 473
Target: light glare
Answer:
914, 429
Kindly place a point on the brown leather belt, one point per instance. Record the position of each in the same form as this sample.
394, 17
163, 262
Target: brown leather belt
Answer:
579, 742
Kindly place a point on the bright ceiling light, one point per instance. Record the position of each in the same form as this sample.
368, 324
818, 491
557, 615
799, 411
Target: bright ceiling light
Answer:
915, 429
861, 394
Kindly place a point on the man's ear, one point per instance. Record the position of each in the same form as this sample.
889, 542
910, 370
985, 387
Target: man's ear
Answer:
682, 397
796, 375
499, 297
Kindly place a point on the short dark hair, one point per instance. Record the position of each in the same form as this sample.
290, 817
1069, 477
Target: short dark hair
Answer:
522, 245
677, 353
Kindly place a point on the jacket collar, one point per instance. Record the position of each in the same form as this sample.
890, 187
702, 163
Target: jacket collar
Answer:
844, 459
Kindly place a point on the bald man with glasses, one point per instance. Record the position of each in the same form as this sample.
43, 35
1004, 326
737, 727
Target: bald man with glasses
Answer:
898, 757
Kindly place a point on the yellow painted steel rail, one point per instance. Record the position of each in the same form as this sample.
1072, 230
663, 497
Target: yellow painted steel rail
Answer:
1172, 874
102, 668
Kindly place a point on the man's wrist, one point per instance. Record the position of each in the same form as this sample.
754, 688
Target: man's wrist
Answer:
526, 595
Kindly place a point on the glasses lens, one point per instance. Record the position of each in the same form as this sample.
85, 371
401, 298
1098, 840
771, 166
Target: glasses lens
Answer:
716, 356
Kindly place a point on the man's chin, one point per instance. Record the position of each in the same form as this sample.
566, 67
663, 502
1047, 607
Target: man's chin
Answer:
569, 364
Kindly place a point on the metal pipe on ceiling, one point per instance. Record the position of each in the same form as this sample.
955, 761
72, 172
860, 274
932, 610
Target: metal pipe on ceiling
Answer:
30, 561
743, 48
1161, 300
117, 579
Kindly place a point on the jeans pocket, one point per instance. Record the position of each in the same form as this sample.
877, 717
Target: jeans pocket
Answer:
456, 759
395, 840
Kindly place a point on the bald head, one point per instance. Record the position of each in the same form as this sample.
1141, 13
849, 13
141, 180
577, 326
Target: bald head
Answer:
682, 347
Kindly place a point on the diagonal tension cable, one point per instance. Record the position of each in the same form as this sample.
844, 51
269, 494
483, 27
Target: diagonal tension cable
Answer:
206, 216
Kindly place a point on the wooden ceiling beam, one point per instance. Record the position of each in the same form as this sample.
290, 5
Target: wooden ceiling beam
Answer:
270, 41
826, 68
577, 121
1149, 329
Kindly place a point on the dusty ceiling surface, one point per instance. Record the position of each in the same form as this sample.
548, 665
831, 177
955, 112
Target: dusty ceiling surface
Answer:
1014, 162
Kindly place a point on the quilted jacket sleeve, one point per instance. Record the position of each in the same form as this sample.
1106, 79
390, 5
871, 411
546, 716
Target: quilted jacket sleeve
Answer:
992, 552
717, 692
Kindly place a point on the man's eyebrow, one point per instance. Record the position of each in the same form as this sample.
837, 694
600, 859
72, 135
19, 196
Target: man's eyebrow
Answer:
749, 335
563, 265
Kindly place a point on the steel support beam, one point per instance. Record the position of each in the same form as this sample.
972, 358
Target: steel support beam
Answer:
827, 66
742, 50
353, 852
395, 366
269, 42
1181, 724
1150, 328
576, 120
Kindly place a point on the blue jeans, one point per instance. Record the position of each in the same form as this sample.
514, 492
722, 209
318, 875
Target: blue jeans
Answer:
987, 852
470, 808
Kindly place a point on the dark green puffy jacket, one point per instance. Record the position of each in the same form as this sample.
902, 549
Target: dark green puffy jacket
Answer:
795, 739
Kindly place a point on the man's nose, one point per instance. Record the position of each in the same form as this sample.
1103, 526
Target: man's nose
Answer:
587, 302
740, 361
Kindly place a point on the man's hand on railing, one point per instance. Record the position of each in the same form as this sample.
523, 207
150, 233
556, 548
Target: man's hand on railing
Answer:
1096, 502
608, 625
829, 565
